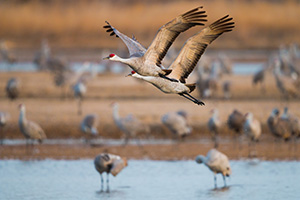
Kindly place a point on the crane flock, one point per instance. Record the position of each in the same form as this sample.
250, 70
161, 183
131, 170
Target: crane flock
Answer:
146, 65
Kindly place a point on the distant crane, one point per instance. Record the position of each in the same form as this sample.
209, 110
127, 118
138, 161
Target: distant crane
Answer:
186, 61
214, 125
6, 55
147, 62
89, 126
13, 88
217, 162
109, 163
278, 127
176, 122
293, 122
42, 57
227, 89
252, 129
236, 121
3, 120
79, 90
31, 130
129, 125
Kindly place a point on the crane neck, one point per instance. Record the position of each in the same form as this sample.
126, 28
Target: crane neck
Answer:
22, 117
116, 112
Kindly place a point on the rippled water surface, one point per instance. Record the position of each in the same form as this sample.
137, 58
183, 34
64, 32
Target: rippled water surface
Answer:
51, 179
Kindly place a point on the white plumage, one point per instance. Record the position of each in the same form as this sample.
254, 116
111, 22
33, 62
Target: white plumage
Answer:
217, 162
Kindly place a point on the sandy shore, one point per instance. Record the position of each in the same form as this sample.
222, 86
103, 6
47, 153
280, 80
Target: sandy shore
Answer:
176, 151
60, 120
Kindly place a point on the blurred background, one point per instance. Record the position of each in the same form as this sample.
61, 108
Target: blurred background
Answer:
51, 49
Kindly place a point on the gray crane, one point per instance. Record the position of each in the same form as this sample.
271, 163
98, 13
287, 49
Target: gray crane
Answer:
214, 124
217, 162
129, 125
186, 61
147, 62
31, 130
89, 126
3, 121
13, 88
109, 163
79, 90
176, 122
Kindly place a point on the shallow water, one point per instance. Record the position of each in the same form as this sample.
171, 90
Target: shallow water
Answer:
143, 179
238, 68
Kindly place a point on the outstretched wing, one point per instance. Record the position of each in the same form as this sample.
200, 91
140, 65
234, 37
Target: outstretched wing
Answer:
134, 47
169, 32
194, 47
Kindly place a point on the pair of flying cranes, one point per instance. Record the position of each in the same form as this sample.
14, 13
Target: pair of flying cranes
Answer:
146, 63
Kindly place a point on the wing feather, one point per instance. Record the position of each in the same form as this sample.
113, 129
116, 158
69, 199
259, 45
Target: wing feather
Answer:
134, 47
195, 46
169, 32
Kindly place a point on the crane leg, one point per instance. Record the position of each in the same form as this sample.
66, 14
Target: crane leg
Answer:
191, 98
101, 182
224, 179
215, 179
107, 182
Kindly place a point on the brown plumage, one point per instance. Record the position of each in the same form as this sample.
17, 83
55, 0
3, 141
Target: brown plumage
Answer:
30, 130
13, 88
277, 126
109, 163
7, 55
195, 46
293, 122
187, 59
236, 121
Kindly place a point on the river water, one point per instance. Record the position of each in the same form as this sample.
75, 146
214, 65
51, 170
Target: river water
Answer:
145, 179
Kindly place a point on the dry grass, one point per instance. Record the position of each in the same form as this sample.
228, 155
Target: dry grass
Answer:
259, 24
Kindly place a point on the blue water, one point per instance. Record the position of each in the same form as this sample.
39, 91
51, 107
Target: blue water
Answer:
143, 179
238, 68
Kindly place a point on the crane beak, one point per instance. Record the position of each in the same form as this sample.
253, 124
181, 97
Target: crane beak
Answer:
128, 75
106, 58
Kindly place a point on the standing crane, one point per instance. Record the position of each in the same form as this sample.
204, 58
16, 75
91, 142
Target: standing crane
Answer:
236, 121
3, 120
6, 55
186, 61
109, 163
147, 62
129, 125
89, 126
79, 90
214, 125
176, 122
278, 127
13, 88
252, 129
31, 130
217, 162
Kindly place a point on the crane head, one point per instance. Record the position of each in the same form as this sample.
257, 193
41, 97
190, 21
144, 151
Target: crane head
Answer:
112, 55
131, 73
